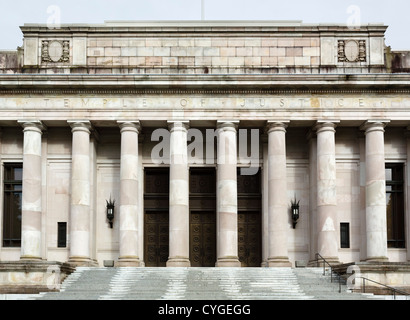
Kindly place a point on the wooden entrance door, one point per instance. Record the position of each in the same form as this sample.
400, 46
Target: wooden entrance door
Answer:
156, 219
203, 239
249, 220
156, 238
249, 238
202, 203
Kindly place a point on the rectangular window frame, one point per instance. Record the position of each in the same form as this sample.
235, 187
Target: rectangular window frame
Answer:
395, 195
344, 235
11, 229
61, 234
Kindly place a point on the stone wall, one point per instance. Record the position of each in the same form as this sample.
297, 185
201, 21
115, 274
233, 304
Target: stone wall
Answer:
397, 61
202, 55
11, 61
203, 48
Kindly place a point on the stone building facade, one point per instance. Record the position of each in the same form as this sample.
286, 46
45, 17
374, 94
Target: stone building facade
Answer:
204, 134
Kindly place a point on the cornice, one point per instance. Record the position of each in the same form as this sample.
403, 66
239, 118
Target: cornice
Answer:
205, 84
198, 27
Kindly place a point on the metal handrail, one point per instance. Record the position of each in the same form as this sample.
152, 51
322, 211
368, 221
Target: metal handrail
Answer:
394, 290
383, 285
331, 271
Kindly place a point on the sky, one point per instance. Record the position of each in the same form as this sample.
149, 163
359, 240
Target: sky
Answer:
393, 13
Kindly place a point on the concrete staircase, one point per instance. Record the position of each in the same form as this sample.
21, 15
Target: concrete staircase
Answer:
199, 284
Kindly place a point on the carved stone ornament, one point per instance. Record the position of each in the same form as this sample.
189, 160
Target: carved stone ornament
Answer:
55, 51
351, 50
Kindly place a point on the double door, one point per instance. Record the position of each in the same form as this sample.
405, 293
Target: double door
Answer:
156, 218
202, 240
249, 238
202, 203
156, 238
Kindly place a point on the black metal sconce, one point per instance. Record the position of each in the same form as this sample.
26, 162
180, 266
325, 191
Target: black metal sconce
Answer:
110, 211
295, 212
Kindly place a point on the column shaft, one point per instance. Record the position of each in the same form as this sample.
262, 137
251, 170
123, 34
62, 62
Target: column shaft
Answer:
178, 196
129, 198
326, 192
227, 200
376, 224
278, 205
80, 193
32, 187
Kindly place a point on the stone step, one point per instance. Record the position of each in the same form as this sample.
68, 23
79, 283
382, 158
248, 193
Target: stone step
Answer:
200, 284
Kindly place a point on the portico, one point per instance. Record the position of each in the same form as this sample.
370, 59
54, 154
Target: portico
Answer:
164, 118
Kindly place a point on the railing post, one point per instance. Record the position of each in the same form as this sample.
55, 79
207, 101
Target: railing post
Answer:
340, 285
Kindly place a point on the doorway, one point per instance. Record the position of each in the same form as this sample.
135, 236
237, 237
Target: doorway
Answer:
156, 217
202, 230
249, 219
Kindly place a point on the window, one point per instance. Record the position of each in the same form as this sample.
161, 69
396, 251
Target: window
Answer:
12, 186
395, 205
344, 235
61, 234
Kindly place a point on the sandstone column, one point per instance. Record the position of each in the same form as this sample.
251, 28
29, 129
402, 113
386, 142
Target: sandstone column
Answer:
129, 186
227, 200
31, 194
80, 193
178, 196
326, 192
376, 224
278, 198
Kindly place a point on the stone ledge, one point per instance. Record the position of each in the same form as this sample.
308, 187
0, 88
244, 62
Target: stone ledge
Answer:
392, 274
28, 277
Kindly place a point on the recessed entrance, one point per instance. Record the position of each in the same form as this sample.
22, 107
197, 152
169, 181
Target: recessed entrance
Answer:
202, 203
203, 239
249, 220
156, 218
156, 238
249, 238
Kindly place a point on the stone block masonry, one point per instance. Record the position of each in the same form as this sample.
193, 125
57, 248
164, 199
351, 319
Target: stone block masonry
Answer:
204, 47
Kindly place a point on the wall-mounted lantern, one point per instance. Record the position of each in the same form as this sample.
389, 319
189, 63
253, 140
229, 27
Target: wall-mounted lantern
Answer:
295, 211
110, 211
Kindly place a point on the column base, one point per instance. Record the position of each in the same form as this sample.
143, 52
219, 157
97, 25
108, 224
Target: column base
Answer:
30, 258
377, 259
329, 260
228, 262
178, 262
82, 262
128, 262
279, 262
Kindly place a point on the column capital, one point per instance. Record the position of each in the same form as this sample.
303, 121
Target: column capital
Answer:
374, 125
80, 125
134, 126
276, 126
181, 125
32, 125
326, 125
227, 124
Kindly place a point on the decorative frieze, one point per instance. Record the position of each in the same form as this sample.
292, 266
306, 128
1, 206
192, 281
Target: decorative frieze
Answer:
352, 50
53, 51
